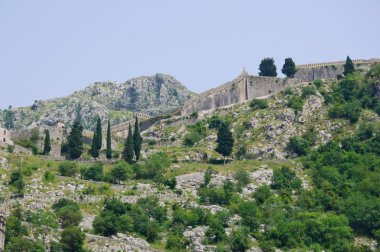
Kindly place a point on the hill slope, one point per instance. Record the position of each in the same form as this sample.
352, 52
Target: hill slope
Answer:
110, 100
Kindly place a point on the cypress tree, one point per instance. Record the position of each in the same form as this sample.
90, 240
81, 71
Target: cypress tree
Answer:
47, 144
94, 145
348, 67
109, 148
289, 68
137, 140
128, 147
267, 68
225, 141
99, 137
75, 141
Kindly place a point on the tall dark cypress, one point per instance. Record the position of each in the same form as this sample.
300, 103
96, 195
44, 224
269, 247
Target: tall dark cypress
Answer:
128, 147
47, 144
99, 137
137, 140
75, 141
348, 67
225, 141
94, 145
109, 147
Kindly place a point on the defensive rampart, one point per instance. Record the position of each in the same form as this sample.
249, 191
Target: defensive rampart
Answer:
244, 87
329, 70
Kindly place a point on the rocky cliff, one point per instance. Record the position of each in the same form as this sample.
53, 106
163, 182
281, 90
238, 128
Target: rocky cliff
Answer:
110, 100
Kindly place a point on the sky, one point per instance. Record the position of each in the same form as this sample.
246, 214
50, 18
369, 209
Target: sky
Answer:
51, 48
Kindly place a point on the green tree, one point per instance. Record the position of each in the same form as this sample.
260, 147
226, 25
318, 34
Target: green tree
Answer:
348, 67
72, 239
47, 144
137, 140
17, 181
75, 141
128, 147
225, 141
94, 148
99, 136
109, 147
289, 68
94, 172
9, 118
267, 68
120, 172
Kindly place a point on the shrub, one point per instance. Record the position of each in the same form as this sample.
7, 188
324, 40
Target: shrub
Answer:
308, 91
288, 91
72, 239
318, 83
365, 131
242, 177
350, 111
177, 242
258, 104
94, 172
214, 122
17, 181
285, 178
239, 240
120, 172
48, 176
171, 182
298, 145
295, 102
68, 212
262, 194
68, 168
69, 216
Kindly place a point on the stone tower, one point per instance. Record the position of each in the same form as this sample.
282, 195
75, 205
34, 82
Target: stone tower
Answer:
2, 231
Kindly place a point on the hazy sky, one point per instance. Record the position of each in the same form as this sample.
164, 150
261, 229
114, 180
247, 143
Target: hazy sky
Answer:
52, 48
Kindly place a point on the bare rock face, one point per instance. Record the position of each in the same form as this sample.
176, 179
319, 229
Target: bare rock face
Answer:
147, 94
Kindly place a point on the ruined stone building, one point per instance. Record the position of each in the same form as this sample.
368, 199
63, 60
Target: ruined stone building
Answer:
5, 138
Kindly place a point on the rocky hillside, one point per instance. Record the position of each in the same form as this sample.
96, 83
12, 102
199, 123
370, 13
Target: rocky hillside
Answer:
110, 100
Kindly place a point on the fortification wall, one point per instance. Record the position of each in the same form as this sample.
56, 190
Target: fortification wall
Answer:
329, 70
243, 88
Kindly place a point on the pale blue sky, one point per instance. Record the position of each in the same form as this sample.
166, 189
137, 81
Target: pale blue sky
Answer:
51, 48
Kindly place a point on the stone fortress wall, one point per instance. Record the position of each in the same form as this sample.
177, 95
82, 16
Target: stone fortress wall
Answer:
245, 87
329, 70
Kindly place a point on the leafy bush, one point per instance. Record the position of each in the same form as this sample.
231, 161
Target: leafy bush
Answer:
308, 91
286, 179
72, 239
120, 172
258, 104
17, 181
94, 172
295, 102
242, 178
153, 167
365, 131
214, 122
68, 168
349, 110
197, 132
68, 212
318, 83
262, 193
48, 176
288, 91
298, 145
